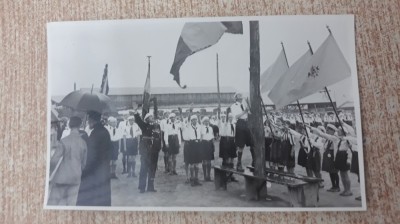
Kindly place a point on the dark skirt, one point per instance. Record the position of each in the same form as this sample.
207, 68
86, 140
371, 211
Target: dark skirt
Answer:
164, 147
268, 142
314, 160
242, 135
227, 147
287, 154
207, 150
192, 152
302, 157
114, 150
131, 146
328, 161
354, 163
276, 155
341, 161
173, 144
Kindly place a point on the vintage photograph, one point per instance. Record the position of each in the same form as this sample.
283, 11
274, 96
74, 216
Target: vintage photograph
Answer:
204, 114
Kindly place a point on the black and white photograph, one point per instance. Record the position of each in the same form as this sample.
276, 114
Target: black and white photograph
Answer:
204, 114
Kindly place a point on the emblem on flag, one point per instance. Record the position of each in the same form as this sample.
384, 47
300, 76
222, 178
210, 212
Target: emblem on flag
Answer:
313, 71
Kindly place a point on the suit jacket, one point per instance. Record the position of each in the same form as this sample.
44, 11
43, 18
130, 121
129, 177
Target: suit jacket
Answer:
73, 149
95, 189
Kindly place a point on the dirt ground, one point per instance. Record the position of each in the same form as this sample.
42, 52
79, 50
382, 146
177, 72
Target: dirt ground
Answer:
172, 190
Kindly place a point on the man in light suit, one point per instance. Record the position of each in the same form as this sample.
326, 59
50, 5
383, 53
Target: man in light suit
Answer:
67, 178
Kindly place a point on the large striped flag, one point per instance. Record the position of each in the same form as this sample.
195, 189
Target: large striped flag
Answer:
197, 36
311, 73
146, 94
104, 82
274, 72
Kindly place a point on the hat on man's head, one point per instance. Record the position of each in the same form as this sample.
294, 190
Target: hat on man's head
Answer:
94, 115
75, 122
238, 95
332, 127
112, 119
147, 116
205, 119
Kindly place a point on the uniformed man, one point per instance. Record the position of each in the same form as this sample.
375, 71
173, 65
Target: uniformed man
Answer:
242, 135
116, 144
172, 141
150, 145
130, 144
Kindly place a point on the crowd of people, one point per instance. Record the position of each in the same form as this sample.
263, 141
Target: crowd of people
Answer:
84, 157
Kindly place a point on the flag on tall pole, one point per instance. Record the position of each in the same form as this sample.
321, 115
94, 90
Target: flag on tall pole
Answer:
311, 73
104, 82
197, 36
274, 72
146, 93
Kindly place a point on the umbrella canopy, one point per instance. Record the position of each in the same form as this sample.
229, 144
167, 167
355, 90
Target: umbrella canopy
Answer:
54, 115
87, 101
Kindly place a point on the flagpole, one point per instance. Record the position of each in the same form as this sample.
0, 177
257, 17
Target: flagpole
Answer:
143, 103
74, 86
255, 118
298, 103
219, 93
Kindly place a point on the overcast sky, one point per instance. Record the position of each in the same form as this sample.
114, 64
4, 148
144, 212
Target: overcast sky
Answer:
78, 51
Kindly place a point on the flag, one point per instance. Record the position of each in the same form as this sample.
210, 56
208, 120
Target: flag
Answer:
104, 82
146, 94
311, 73
197, 36
274, 72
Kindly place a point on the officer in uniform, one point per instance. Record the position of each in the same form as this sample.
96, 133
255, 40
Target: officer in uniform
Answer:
150, 145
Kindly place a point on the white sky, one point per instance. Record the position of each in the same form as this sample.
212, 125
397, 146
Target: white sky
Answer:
78, 51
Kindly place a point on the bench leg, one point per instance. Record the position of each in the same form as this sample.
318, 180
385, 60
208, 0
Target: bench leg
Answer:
254, 188
219, 179
305, 195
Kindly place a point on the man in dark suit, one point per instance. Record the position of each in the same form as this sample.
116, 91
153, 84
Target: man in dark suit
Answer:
95, 189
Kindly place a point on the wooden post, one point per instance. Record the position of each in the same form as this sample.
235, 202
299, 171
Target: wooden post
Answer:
219, 93
255, 118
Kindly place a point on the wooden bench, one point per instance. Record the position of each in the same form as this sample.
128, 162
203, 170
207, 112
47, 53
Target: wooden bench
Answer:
301, 193
269, 171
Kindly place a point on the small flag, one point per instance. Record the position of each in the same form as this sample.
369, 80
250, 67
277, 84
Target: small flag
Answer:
146, 94
197, 36
325, 67
104, 82
274, 72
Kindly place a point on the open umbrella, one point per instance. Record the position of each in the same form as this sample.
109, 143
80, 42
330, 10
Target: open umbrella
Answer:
54, 115
88, 101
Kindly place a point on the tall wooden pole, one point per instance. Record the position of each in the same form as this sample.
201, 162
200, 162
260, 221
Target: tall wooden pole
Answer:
219, 93
255, 118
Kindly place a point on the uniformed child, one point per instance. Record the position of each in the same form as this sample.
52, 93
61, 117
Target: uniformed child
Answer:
328, 160
207, 137
131, 136
192, 151
116, 144
172, 141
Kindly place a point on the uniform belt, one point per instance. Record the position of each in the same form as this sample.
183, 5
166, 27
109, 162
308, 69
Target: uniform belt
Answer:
148, 138
194, 140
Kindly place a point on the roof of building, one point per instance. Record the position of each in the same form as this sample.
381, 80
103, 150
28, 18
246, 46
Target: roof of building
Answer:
164, 90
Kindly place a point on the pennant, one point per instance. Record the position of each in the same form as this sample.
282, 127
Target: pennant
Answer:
311, 73
197, 36
146, 94
104, 82
274, 72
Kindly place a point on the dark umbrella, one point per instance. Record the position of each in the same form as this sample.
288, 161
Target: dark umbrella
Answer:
88, 101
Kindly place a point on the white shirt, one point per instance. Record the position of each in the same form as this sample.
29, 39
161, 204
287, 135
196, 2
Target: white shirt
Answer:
172, 129
236, 109
163, 124
115, 133
227, 129
127, 130
206, 132
191, 132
